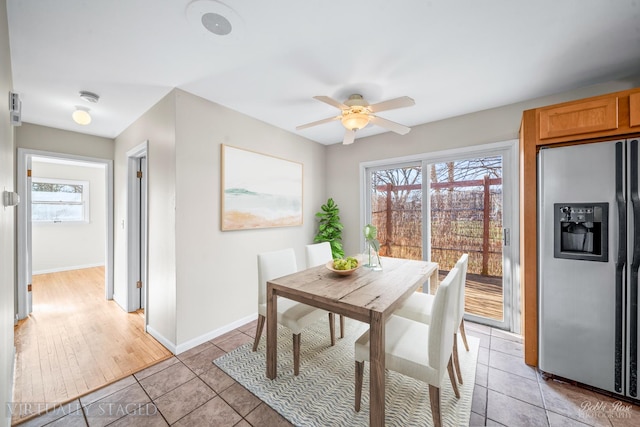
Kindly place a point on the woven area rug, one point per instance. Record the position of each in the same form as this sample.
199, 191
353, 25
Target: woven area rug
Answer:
323, 393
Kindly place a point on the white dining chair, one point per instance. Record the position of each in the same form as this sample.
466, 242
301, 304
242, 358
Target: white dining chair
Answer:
419, 306
319, 254
291, 314
406, 352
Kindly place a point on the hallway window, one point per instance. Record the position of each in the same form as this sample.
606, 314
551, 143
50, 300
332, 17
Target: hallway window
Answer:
59, 200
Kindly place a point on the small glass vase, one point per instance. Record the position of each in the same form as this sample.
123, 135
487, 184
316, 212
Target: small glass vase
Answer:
371, 258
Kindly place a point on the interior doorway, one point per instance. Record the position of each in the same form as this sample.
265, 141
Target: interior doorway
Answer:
75, 341
137, 230
73, 337
25, 220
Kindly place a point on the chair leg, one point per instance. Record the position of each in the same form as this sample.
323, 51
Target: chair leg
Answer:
341, 326
332, 328
259, 328
456, 361
359, 378
434, 397
296, 354
452, 378
464, 335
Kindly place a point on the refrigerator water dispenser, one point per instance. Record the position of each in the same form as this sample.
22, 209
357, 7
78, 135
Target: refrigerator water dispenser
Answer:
580, 231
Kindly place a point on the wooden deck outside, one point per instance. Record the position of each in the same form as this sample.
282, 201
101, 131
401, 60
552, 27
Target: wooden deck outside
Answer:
483, 295
75, 341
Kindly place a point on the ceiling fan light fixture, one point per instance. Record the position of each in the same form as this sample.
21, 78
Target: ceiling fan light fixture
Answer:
81, 116
355, 121
357, 113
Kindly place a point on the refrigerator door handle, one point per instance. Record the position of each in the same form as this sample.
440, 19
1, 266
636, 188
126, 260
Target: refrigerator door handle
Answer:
620, 264
635, 264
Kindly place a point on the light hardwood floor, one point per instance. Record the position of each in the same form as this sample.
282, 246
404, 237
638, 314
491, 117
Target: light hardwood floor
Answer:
75, 341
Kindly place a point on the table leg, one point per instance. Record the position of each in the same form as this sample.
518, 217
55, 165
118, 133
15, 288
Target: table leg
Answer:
272, 332
433, 281
377, 363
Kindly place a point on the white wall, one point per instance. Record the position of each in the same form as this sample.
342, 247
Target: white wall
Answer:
217, 270
158, 127
60, 246
7, 233
495, 125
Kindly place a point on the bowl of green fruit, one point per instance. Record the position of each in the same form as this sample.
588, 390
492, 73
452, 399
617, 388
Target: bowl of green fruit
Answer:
343, 266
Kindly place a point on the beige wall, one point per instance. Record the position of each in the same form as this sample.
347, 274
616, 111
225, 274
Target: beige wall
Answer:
43, 138
495, 125
60, 246
7, 230
201, 280
216, 270
158, 127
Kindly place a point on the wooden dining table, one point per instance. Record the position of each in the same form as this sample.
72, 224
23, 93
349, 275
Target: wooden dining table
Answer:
366, 295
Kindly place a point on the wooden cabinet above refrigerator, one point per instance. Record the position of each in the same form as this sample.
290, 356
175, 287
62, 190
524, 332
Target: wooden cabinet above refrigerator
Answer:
602, 116
599, 118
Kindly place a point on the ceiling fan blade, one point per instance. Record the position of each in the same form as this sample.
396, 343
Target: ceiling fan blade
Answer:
349, 137
403, 101
319, 122
331, 102
392, 126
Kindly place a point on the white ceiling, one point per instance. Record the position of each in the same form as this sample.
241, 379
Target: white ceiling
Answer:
452, 56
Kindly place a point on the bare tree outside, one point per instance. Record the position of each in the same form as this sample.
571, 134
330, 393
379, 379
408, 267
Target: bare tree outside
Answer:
397, 211
465, 214
466, 196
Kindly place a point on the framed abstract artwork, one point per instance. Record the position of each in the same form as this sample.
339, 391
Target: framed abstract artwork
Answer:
259, 190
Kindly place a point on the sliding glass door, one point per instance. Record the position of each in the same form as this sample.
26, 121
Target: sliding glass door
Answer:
466, 217
441, 207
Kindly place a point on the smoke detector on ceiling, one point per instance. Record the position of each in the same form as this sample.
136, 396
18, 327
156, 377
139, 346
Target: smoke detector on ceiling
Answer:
89, 96
216, 20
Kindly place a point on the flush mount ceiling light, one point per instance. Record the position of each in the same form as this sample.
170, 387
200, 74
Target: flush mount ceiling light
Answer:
215, 20
81, 115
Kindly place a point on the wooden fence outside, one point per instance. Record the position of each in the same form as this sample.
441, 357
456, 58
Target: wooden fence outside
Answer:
468, 220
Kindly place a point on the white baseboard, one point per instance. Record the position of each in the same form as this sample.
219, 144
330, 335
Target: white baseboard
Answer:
162, 340
181, 348
121, 304
68, 268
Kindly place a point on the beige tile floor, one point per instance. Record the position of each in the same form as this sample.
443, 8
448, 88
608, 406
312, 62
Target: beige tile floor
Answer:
189, 390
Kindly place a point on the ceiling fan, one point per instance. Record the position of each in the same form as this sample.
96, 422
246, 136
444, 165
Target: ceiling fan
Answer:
356, 113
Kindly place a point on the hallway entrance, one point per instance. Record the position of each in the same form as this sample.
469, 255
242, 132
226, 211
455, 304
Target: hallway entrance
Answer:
75, 341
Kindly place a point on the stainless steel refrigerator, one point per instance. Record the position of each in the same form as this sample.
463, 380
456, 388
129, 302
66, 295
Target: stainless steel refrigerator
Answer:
588, 259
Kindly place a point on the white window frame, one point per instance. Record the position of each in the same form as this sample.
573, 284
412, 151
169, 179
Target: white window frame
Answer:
511, 212
86, 198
